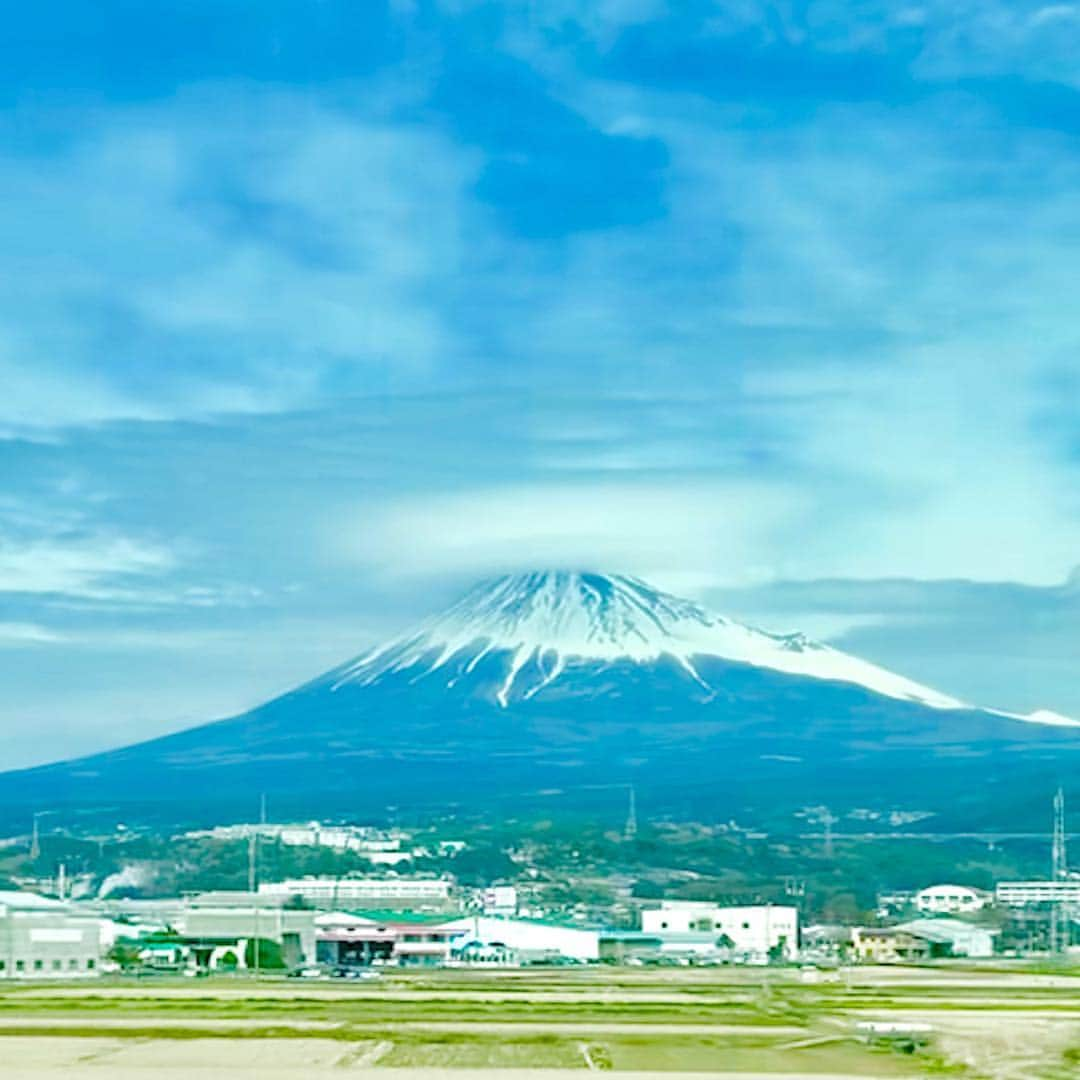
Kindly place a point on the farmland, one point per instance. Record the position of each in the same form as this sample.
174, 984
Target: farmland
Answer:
995, 1024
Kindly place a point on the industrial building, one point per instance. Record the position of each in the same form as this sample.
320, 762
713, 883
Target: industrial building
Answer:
45, 938
753, 933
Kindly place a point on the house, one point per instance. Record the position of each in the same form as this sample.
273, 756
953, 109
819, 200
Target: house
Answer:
45, 938
890, 945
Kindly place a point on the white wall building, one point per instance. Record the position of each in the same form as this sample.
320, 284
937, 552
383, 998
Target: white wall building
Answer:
499, 900
42, 938
753, 931
225, 917
1022, 893
334, 893
951, 900
365, 841
962, 938
527, 938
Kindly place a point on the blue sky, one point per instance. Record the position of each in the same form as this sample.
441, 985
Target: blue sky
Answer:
316, 311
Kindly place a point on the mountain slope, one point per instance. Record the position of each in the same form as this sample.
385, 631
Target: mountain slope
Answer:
570, 683
545, 620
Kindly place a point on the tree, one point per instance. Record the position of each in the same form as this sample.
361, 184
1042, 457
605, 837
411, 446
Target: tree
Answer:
263, 954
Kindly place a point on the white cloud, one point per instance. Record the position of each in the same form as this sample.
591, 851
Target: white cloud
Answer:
663, 531
20, 633
77, 567
232, 250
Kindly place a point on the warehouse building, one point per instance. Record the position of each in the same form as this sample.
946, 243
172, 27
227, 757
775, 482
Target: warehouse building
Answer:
44, 938
488, 938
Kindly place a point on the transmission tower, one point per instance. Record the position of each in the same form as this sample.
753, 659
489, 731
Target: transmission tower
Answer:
630, 830
1058, 863
1058, 872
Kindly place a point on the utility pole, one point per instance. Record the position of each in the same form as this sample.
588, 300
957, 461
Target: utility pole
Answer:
253, 882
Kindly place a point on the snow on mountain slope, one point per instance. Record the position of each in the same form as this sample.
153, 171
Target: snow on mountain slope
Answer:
544, 621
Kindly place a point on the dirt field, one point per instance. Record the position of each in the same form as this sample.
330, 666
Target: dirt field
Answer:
738, 1024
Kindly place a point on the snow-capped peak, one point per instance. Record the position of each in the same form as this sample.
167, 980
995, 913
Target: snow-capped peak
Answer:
550, 619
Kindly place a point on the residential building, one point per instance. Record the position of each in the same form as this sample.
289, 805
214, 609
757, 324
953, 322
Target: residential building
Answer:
889, 945
45, 938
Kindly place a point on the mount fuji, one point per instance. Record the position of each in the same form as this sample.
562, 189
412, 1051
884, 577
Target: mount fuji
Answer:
551, 686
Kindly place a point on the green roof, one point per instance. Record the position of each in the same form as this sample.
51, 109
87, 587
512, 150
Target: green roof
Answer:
383, 915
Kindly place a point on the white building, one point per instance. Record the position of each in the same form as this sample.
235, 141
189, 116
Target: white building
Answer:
380, 846
224, 922
42, 938
333, 893
1022, 893
961, 938
500, 900
951, 900
525, 939
754, 932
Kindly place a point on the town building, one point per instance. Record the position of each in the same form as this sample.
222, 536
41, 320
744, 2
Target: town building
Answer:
396, 893
499, 900
403, 939
45, 938
223, 927
516, 940
889, 945
923, 939
958, 937
951, 900
1023, 893
371, 843
753, 933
